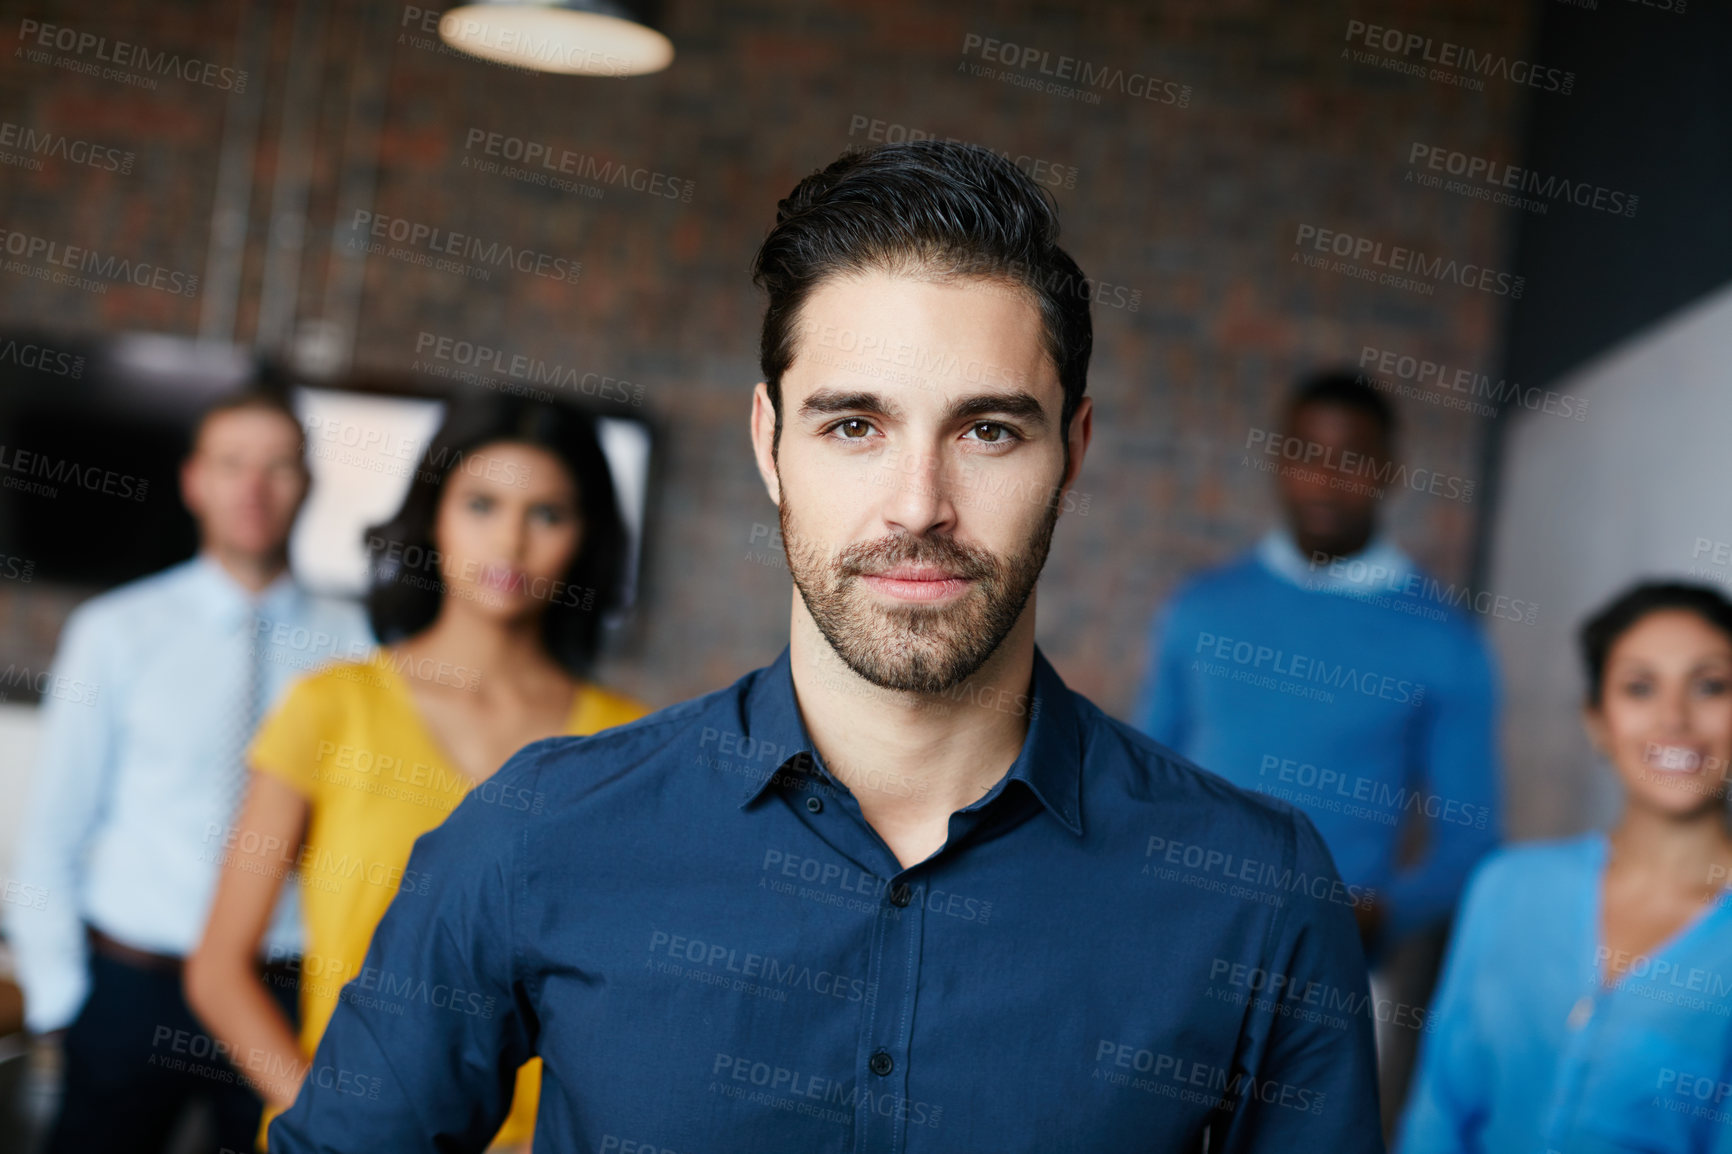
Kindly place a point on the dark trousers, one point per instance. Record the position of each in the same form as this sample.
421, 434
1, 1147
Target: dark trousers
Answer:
136, 1058
1410, 972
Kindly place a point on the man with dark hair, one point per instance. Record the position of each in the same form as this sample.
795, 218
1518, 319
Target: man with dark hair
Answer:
1325, 668
155, 689
901, 889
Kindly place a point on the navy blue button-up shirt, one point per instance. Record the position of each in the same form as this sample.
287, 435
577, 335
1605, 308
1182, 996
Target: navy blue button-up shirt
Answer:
692, 924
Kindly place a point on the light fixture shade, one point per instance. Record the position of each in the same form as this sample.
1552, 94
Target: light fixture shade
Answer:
576, 37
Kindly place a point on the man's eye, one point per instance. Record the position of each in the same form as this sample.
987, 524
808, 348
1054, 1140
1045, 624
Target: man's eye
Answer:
852, 426
991, 432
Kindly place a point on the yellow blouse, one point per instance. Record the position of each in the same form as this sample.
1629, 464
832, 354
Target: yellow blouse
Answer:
350, 739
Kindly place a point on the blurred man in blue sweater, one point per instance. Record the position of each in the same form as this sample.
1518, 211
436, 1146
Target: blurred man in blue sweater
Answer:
1324, 668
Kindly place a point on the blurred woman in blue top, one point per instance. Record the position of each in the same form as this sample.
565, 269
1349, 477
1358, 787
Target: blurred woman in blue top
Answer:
1586, 1004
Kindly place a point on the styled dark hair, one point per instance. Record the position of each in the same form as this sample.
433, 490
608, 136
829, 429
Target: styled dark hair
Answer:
1601, 631
928, 208
405, 587
1347, 390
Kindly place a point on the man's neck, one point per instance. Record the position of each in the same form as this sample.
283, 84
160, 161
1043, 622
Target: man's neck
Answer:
251, 572
1320, 551
911, 759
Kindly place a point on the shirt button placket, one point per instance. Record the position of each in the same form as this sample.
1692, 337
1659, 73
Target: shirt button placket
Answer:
882, 1111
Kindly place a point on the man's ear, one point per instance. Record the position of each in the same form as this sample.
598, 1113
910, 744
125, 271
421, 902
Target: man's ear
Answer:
1080, 433
191, 491
764, 441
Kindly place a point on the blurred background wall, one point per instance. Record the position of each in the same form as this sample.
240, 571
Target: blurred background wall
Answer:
1642, 492
1193, 209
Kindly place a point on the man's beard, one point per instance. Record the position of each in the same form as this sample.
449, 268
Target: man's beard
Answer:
914, 648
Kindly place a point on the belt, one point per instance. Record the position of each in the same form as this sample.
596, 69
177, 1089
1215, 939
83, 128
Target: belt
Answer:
138, 959
155, 963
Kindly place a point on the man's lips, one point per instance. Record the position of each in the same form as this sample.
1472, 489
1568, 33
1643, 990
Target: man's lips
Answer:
916, 583
916, 573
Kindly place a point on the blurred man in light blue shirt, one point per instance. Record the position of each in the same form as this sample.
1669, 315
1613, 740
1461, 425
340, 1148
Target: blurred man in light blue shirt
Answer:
154, 691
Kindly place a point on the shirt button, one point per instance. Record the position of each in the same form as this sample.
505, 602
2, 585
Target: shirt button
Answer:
881, 1063
1581, 1012
815, 804
901, 895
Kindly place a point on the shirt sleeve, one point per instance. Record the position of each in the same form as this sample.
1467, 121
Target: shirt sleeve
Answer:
70, 788
1459, 782
1163, 709
1449, 1098
299, 736
423, 1050
1311, 1082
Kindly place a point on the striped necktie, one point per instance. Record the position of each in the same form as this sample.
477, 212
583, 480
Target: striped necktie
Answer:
240, 719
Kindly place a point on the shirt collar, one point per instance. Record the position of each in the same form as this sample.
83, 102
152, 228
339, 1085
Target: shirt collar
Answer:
1380, 564
1050, 764
226, 601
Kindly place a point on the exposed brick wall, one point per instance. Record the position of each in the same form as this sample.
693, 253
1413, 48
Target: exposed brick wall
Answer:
1195, 208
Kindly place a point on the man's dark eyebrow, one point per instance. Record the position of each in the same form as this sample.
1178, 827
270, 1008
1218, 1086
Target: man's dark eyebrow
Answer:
1021, 404
826, 401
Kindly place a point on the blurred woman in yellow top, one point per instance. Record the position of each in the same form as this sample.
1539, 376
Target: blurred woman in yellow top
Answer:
488, 593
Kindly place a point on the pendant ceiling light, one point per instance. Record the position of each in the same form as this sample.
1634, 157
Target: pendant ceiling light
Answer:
576, 37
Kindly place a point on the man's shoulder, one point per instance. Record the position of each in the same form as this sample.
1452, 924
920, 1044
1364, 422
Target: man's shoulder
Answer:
336, 614
640, 739
1160, 787
1227, 579
1145, 802
139, 604
612, 708
123, 600
1449, 606
573, 770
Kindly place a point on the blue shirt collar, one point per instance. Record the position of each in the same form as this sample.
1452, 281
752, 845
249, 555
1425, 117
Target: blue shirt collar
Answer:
1050, 763
1378, 566
226, 601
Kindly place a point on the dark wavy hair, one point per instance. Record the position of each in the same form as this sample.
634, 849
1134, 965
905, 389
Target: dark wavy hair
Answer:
404, 594
932, 208
1601, 631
